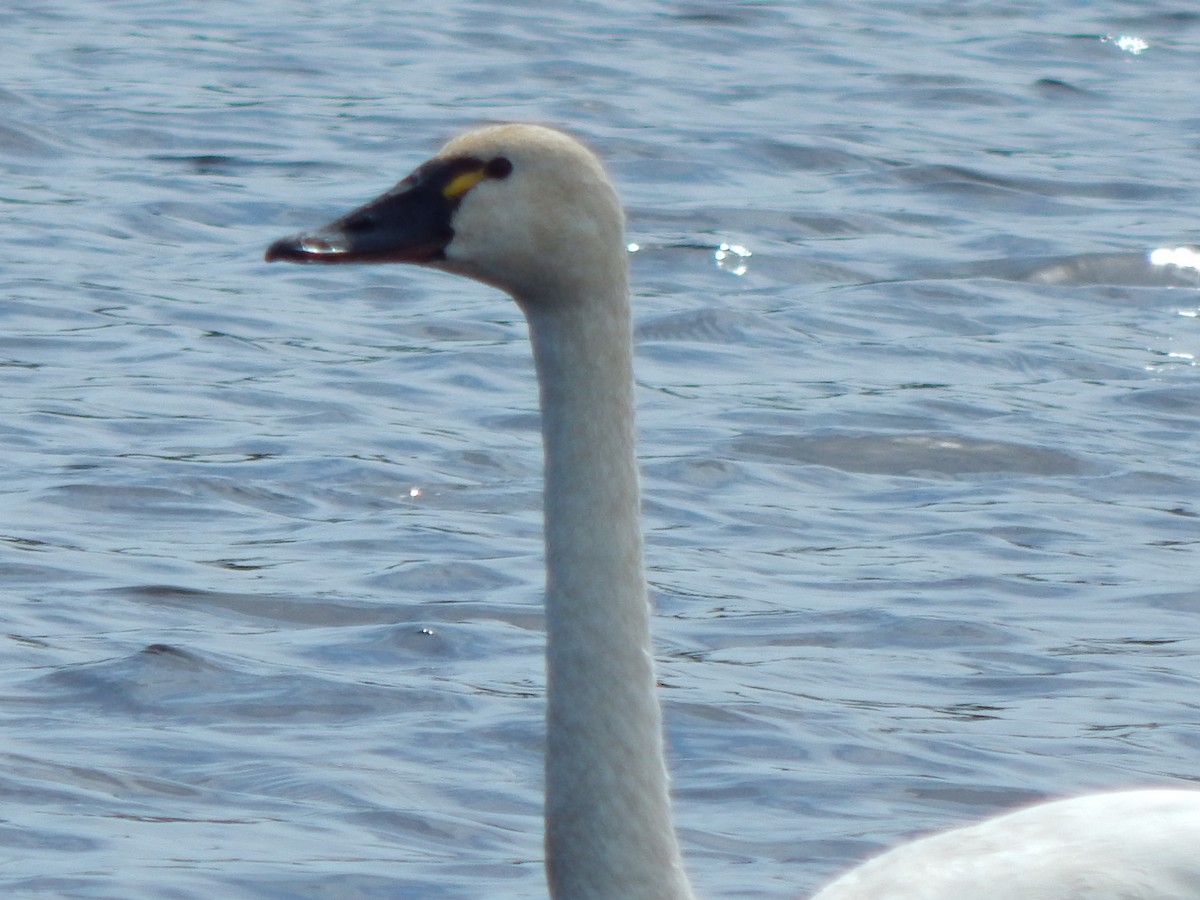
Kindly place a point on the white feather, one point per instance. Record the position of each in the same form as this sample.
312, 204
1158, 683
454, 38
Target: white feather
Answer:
550, 233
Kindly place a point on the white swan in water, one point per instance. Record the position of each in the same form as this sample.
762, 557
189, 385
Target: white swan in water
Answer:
530, 210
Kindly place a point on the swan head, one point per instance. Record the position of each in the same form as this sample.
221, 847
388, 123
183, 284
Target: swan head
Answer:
525, 208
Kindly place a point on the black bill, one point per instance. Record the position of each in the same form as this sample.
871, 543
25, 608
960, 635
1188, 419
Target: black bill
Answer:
410, 223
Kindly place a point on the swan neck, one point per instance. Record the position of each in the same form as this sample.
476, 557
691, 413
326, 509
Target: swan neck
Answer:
608, 821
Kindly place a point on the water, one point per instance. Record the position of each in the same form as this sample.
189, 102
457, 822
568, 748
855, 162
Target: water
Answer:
918, 441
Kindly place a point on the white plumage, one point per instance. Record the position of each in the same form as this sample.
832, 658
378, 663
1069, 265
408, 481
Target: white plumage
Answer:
531, 211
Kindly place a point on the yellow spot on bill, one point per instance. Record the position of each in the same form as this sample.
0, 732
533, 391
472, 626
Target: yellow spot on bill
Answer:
460, 184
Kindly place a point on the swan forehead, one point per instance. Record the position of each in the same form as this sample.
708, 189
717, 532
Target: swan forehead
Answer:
525, 145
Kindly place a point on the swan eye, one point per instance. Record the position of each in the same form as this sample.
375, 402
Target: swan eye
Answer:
500, 167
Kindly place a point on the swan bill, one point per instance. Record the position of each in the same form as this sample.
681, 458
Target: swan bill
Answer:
411, 223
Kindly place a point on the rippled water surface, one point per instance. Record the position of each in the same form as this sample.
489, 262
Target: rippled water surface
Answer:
918, 414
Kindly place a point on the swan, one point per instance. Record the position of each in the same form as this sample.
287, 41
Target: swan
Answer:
529, 210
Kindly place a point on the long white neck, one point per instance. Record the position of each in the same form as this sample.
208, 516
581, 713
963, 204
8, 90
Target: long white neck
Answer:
609, 834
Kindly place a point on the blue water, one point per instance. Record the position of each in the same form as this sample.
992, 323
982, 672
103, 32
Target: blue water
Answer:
918, 422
